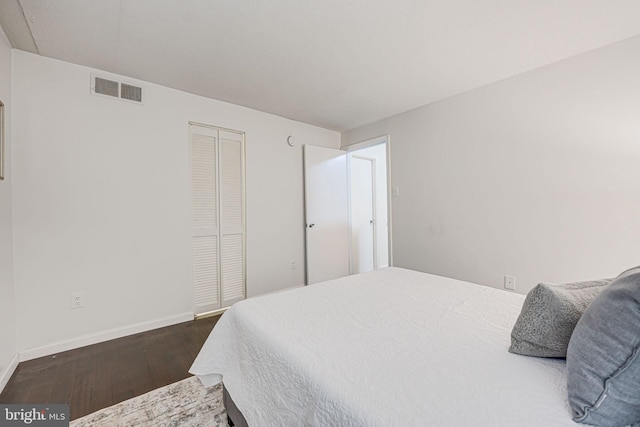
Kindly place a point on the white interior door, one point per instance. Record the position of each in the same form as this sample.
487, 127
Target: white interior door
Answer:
327, 213
205, 218
232, 217
363, 253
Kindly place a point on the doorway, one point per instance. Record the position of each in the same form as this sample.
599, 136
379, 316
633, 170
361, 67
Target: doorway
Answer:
347, 209
369, 205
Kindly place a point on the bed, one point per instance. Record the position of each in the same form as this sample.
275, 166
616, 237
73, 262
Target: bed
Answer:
393, 347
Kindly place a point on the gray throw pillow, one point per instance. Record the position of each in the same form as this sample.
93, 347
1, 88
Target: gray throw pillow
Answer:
548, 316
603, 359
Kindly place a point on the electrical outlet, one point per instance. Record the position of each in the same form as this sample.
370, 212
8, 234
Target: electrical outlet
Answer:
77, 300
292, 265
510, 282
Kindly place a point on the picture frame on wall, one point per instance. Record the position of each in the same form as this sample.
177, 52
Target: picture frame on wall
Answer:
1, 141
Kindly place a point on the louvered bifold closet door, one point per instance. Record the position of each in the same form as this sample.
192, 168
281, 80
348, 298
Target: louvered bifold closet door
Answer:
204, 199
218, 206
232, 216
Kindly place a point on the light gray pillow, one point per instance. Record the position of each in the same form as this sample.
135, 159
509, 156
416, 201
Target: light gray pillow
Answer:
603, 360
548, 316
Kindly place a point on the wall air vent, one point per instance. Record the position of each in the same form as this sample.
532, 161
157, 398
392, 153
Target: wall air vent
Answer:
106, 87
115, 89
132, 93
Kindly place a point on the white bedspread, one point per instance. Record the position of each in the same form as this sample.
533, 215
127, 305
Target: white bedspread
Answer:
390, 348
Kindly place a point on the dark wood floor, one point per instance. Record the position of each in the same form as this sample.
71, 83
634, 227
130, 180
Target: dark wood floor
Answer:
101, 375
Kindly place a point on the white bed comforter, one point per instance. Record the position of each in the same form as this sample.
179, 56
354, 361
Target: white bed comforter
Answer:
390, 348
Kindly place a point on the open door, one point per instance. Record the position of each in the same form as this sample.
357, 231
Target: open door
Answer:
327, 213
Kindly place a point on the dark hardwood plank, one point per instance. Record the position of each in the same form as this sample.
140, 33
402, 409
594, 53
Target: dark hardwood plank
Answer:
100, 375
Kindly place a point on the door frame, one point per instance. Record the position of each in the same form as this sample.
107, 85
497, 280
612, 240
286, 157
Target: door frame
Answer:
217, 132
351, 149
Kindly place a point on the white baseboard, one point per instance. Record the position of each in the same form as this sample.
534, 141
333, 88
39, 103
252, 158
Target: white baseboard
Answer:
6, 374
58, 347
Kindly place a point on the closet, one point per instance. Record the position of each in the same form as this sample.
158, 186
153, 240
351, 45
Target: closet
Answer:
218, 216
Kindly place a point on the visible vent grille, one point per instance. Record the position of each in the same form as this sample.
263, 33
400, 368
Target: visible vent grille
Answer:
106, 87
132, 93
116, 89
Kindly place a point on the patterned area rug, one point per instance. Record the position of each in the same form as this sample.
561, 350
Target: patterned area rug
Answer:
186, 403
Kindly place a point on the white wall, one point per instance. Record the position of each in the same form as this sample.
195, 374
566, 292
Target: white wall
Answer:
7, 289
101, 201
535, 176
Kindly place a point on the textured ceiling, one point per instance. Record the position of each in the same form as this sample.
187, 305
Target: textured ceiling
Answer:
338, 64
